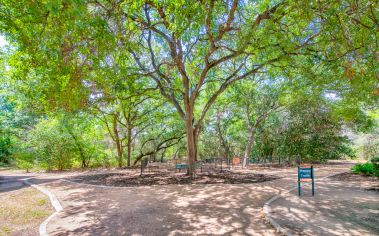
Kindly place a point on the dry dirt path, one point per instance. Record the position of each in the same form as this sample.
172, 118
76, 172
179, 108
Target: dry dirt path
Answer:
168, 210
341, 206
212, 209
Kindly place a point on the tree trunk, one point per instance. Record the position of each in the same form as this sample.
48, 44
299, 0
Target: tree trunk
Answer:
129, 147
60, 161
78, 144
191, 146
162, 155
117, 140
249, 145
196, 139
82, 154
223, 141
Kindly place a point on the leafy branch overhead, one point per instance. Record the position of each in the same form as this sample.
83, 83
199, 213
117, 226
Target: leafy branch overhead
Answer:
137, 67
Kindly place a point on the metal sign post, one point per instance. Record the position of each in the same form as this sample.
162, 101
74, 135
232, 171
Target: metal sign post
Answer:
305, 174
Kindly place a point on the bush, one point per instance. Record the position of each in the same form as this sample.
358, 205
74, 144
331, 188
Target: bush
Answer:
366, 169
51, 147
375, 162
24, 160
3, 165
5, 148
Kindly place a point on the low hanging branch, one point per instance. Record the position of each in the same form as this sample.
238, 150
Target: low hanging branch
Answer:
162, 145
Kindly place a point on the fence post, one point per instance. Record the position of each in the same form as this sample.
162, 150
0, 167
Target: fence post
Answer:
313, 182
298, 179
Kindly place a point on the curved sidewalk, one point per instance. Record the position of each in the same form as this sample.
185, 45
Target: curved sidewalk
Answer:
53, 200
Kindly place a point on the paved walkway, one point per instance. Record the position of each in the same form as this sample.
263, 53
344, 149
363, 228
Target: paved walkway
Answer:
167, 210
10, 180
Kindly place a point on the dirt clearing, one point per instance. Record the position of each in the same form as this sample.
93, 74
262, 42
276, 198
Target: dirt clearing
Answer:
343, 205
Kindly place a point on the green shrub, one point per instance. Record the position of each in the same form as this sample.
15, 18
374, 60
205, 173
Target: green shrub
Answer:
5, 148
375, 162
366, 169
3, 164
24, 160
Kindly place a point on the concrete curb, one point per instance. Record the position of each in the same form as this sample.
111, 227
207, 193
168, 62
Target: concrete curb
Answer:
54, 201
267, 208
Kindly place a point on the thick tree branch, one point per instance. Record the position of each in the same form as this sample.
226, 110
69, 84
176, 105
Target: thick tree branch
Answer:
162, 145
162, 90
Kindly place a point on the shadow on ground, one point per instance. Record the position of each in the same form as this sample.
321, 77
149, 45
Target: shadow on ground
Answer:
168, 210
338, 208
213, 209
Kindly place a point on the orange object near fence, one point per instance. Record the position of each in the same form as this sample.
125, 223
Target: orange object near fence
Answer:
236, 161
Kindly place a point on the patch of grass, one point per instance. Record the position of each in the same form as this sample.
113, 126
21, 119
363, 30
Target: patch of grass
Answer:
22, 215
35, 214
22, 210
5, 230
41, 202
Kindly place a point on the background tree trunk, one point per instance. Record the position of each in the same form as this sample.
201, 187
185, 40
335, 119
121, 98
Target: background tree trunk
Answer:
117, 139
249, 145
129, 146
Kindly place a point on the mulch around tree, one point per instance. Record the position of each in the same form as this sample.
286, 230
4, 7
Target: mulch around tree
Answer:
130, 179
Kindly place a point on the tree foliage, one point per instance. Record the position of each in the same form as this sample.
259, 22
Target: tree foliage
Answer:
147, 72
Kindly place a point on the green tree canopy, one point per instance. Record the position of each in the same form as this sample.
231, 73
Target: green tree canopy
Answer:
66, 53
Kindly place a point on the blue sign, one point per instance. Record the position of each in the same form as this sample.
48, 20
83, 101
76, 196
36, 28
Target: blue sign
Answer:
304, 174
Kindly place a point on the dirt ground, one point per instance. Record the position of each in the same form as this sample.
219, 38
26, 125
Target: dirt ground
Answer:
191, 209
173, 209
346, 204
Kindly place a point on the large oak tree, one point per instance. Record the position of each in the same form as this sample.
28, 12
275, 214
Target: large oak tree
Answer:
190, 50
